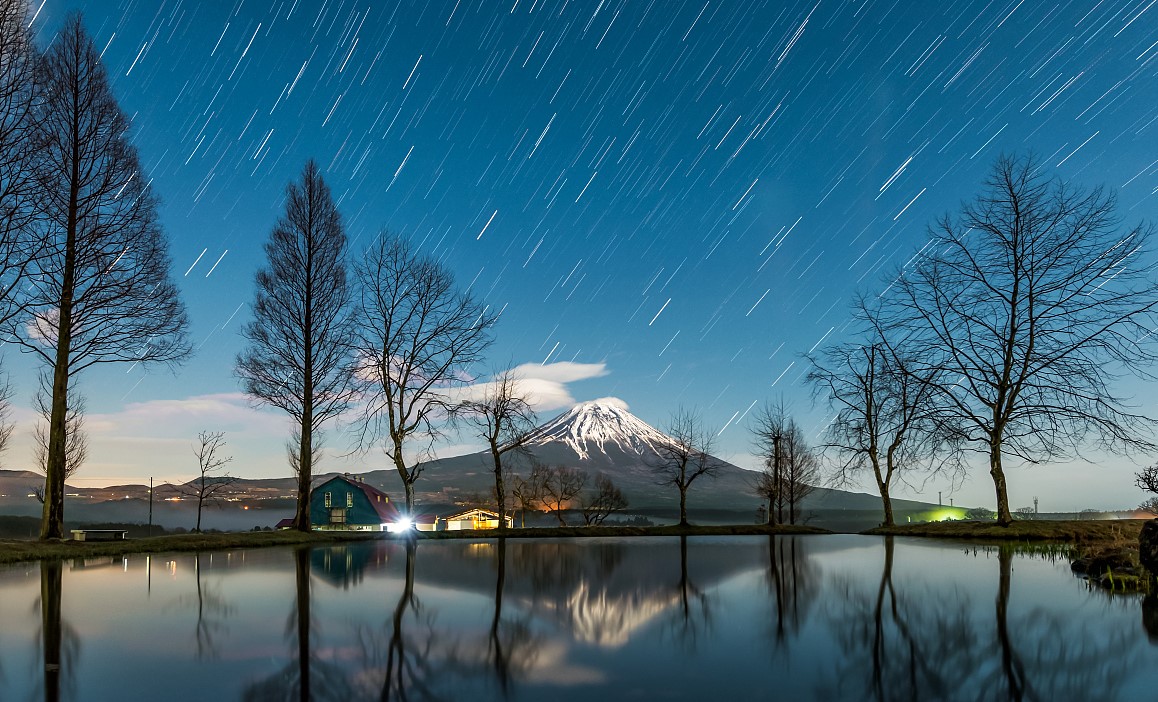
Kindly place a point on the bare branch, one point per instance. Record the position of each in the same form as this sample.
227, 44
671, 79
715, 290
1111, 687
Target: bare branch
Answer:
210, 486
502, 417
417, 337
686, 457
599, 505
1024, 312
560, 486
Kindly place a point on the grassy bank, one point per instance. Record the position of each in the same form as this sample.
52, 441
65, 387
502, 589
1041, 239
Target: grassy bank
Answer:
1077, 532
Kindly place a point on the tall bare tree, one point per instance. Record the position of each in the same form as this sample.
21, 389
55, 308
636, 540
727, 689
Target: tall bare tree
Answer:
209, 487
297, 358
686, 457
1025, 309
770, 427
417, 337
504, 419
801, 472
99, 290
560, 486
884, 420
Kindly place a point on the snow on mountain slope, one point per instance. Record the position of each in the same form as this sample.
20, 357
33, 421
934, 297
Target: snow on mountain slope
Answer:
594, 426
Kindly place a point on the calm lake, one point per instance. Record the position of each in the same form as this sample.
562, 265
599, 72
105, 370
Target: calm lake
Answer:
704, 618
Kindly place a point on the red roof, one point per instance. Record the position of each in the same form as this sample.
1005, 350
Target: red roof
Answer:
379, 500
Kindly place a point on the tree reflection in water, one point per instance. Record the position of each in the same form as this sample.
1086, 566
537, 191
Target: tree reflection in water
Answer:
928, 644
1150, 614
794, 582
305, 677
52, 630
693, 617
212, 611
426, 661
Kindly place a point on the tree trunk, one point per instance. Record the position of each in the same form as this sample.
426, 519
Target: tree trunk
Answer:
56, 465
305, 471
887, 503
683, 505
200, 503
409, 494
500, 488
883, 487
52, 522
1004, 517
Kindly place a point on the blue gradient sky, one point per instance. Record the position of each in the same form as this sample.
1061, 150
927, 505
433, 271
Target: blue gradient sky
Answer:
679, 198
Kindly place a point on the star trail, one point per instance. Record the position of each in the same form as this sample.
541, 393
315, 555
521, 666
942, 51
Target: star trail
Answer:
690, 192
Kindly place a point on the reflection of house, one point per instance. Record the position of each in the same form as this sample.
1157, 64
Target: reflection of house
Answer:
475, 519
345, 502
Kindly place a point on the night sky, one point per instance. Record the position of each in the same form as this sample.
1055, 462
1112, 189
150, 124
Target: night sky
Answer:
670, 201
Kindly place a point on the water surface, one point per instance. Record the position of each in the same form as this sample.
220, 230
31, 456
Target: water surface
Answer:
814, 617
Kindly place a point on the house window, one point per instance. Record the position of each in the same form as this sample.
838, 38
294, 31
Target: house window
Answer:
337, 516
328, 499
349, 499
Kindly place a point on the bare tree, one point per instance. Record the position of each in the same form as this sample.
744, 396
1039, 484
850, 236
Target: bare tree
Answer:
99, 290
76, 440
770, 425
297, 358
504, 419
686, 457
19, 93
791, 470
209, 487
801, 472
561, 485
417, 337
1024, 310
884, 419
528, 491
606, 498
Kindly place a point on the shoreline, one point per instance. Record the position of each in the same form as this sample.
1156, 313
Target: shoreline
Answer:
1120, 532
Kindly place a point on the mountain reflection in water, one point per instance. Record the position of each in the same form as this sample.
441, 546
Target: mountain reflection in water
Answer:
818, 617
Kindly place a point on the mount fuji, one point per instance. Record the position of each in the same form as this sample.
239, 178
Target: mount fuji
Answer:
602, 436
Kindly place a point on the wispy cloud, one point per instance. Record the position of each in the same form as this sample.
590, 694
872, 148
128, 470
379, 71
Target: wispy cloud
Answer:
545, 385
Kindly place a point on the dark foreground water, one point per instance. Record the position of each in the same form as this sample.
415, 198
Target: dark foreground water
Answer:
713, 618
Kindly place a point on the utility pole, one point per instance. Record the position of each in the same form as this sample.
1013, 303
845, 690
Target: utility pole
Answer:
939, 499
150, 505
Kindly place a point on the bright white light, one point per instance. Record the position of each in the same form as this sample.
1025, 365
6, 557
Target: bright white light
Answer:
402, 524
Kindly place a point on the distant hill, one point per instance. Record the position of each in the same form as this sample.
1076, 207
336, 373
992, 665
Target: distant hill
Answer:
597, 437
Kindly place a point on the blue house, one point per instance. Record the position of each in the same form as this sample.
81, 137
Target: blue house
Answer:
345, 502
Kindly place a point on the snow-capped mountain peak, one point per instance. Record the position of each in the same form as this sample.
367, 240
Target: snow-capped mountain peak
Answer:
598, 425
